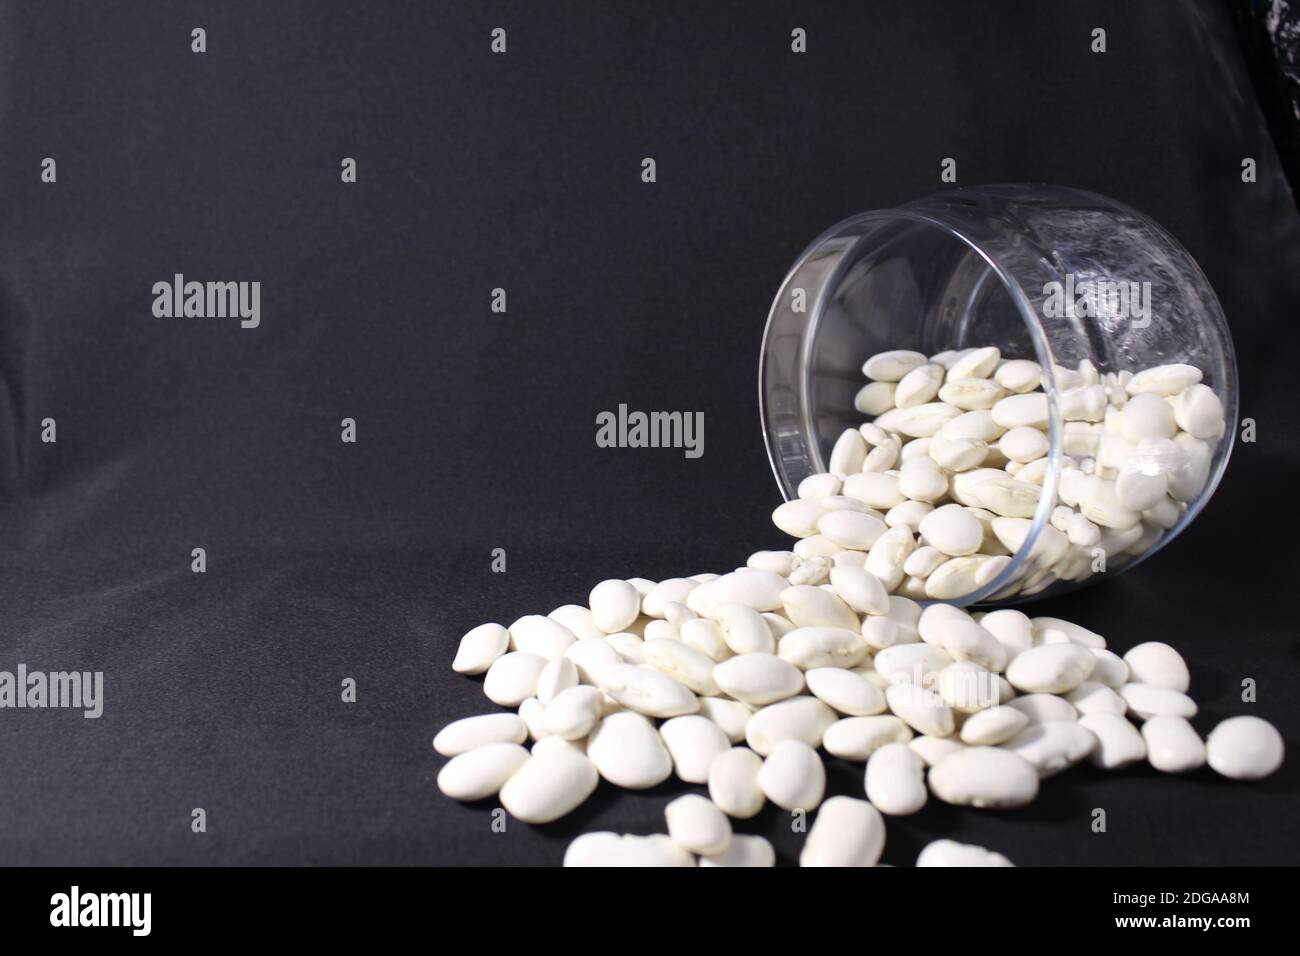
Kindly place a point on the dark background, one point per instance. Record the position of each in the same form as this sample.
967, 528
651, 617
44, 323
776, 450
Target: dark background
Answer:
328, 560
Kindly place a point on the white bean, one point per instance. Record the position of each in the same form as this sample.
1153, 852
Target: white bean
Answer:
913, 663
1007, 497
934, 750
603, 848
975, 363
479, 648
1164, 379
895, 780
808, 606
919, 421
804, 719
705, 636
875, 398
533, 713
860, 590
1119, 743
1053, 746
1244, 748
1198, 411
628, 647
1110, 668
875, 489
693, 741
512, 678
558, 675
968, 641
809, 647
849, 452
847, 832
731, 716
897, 626
744, 850
1074, 633
578, 620
695, 824
745, 630
1023, 444
1084, 403
676, 590
682, 663
1172, 744
1092, 697
480, 773
1019, 375
760, 590
952, 853
883, 456
733, 782
972, 394
851, 529
993, 726
555, 742
922, 709
814, 486
1019, 411
891, 366
919, 386
1042, 708
548, 786
1012, 628
1146, 701
574, 712
845, 691
628, 752
922, 562
1159, 665
985, 777
921, 479
590, 654
1051, 668
886, 557
647, 691
957, 454
758, 679
614, 605
1146, 416
857, 738
953, 530
792, 776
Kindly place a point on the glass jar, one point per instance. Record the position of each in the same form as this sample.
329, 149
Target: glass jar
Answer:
1083, 285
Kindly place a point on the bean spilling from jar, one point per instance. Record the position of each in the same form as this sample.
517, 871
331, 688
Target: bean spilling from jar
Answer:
936, 493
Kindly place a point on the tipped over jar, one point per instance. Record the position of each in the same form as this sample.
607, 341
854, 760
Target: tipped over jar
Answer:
995, 394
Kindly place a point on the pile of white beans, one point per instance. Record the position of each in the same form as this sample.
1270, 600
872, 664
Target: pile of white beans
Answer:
936, 493
736, 682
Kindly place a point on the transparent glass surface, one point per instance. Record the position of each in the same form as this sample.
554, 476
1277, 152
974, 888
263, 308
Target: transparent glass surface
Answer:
974, 267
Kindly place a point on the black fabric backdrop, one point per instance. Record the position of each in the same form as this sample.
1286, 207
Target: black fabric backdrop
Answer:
475, 430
